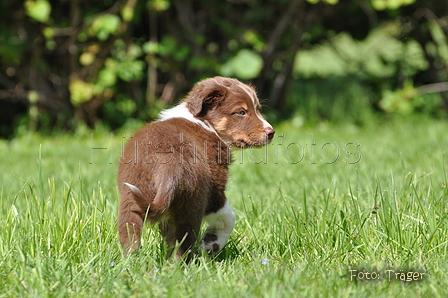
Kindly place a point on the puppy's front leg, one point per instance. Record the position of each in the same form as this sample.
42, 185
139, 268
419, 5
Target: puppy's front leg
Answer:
220, 227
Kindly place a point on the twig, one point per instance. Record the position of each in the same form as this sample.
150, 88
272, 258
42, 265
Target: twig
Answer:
432, 88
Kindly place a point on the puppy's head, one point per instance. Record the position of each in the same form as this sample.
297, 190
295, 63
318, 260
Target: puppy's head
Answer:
232, 109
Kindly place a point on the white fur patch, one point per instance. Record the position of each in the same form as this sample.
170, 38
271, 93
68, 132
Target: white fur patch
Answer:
250, 92
181, 111
221, 225
134, 189
252, 96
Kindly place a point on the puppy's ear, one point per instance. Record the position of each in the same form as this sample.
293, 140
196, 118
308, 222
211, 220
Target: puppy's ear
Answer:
204, 96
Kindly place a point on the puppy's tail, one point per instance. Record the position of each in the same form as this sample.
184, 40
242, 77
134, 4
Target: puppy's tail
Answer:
153, 209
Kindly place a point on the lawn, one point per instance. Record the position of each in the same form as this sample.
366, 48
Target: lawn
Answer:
323, 211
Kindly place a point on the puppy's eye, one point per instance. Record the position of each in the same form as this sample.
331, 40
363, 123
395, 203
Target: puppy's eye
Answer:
242, 113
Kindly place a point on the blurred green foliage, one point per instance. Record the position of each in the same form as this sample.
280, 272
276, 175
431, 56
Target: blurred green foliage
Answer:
245, 65
390, 4
38, 10
379, 56
75, 62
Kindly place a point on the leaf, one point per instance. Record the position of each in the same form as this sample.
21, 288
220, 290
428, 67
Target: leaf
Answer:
127, 106
80, 92
167, 46
379, 55
245, 65
158, 5
134, 51
130, 70
323, 61
254, 39
48, 32
33, 97
105, 25
390, 4
441, 40
151, 47
38, 10
182, 53
86, 58
414, 58
400, 100
107, 77
127, 12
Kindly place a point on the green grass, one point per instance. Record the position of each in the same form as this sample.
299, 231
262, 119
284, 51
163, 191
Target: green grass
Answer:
301, 226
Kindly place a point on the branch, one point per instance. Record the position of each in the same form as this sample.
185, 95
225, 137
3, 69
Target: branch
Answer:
186, 14
281, 27
14, 95
433, 88
5, 82
68, 31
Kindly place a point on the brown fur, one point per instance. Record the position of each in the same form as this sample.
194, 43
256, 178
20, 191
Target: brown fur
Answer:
179, 167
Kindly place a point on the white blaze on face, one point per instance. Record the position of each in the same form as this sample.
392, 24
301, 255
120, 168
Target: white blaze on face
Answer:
255, 103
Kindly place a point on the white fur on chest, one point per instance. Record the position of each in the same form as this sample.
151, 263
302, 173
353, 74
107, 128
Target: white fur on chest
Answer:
181, 111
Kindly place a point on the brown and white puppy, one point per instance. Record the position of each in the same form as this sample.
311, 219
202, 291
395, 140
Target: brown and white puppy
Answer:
174, 171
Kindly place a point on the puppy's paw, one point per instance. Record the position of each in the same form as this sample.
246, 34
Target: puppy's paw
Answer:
210, 244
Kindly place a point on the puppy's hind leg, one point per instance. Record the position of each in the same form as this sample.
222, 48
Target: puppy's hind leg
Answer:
180, 234
220, 227
130, 222
131, 216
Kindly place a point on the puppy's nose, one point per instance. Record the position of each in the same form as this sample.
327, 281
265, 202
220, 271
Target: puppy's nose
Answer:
269, 131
